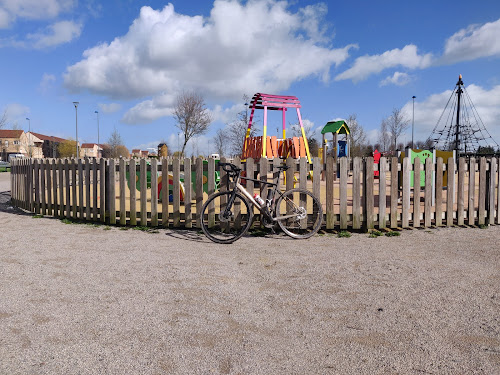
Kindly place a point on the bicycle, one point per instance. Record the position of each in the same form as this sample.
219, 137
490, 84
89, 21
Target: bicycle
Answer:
296, 211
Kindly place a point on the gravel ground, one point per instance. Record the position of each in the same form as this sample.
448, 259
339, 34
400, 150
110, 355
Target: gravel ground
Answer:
82, 299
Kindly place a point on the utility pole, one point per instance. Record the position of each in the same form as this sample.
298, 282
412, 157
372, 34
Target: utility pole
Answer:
457, 131
76, 114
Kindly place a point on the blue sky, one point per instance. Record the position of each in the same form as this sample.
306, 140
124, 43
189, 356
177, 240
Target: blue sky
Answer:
129, 59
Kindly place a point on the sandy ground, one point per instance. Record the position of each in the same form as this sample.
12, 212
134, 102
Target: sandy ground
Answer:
81, 299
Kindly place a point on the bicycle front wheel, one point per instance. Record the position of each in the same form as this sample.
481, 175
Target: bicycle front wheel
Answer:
299, 213
223, 224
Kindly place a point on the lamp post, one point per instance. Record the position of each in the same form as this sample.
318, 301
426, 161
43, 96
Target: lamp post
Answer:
76, 119
413, 120
97, 113
29, 131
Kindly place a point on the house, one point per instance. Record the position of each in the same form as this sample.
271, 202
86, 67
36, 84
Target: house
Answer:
144, 154
19, 142
136, 153
49, 145
91, 150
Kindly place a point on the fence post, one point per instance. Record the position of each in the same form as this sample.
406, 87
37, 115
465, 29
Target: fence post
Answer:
199, 187
94, 189
53, 167
121, 177
112, 192
88, 200
330, 214
481, 217
356, 192
460, 191
154, 193
67, 187
382, 192
394, 191
498, 192
428, 193
80, 188
210, 191
43, 188
176, 172
450, 192
188, 188
165, 199
264, 166
416, 193
132, 173
369, 194
491, 191
343, 192
60, 167
143, 177
471, 207
37, 185
317, 169
439, 192
102, 188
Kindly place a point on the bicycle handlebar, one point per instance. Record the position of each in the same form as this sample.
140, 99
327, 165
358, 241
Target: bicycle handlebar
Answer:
229, 168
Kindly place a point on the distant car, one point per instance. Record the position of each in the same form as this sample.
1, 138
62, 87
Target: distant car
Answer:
15, 156
4, 164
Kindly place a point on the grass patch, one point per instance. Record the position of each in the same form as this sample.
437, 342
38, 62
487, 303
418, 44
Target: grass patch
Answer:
257, 233
393, 233
37, 216
375, 234
124, 228
483, 226
344, 234
67, 221
107, 227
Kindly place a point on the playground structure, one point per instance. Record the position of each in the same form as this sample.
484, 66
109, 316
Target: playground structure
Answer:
182, 191
271, 146
459, 127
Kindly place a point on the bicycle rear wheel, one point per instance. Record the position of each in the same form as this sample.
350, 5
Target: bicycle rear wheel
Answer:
225, 226
306, 210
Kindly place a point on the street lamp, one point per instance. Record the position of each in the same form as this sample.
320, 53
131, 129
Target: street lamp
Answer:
413, 121
76, 119
29, 131
97, 113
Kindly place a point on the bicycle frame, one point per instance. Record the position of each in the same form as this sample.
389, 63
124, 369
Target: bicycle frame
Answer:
263, 209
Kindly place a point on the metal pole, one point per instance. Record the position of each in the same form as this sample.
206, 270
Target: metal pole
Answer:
76, 114
413, 121
457, 133
29, 141
98, 143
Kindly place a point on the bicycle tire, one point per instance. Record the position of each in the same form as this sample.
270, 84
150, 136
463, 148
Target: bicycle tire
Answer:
226, 230
300, 226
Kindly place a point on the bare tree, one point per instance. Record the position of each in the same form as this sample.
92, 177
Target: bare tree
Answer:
358, 136
3, 119
384, 137
237, 130
191, 115
220, 140
114, 141
397, 123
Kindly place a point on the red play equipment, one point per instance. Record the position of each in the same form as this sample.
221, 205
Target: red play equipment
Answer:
272, 146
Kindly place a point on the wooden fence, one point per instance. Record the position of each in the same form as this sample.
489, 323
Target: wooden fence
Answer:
99, 190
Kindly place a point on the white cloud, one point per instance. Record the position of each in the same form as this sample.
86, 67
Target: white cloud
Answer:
55, 34
429, 110
398, 79
109, 108
472, 43
10, 10
365, 66
259, 46
46, 82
